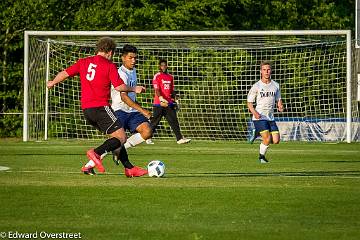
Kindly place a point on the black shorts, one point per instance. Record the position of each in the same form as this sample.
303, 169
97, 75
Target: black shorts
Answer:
103, 118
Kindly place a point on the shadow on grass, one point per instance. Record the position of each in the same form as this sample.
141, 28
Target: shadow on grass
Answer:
269, 174
329, 161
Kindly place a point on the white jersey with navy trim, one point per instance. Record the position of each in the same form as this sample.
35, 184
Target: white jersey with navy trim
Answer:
265, 96
129, 77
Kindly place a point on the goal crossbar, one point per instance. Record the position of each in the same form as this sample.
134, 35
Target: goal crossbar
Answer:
189, 33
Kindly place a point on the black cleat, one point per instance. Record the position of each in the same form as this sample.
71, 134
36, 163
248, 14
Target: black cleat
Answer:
88, 170
262, 159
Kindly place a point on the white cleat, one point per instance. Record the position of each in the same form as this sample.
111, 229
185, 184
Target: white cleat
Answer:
149, 141
253, 136
184, 140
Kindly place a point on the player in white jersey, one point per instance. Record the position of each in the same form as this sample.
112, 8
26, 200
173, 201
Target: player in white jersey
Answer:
266, 94
134, 118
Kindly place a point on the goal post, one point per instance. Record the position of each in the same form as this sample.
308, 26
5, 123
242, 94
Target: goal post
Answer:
213, 71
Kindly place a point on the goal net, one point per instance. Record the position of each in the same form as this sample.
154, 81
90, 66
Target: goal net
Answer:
213, 73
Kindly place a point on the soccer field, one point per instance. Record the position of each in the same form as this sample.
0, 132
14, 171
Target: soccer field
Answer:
211, 190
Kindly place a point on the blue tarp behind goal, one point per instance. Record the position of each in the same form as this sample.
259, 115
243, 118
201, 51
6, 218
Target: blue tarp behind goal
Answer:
315, 129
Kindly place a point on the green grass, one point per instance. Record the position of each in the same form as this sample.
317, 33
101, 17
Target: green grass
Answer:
212, 190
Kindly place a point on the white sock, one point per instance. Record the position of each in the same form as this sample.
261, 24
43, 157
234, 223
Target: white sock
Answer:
263, 148
134, 140
90, 164
103, 155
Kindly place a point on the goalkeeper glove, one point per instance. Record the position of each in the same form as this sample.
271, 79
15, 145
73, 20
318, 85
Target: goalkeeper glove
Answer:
176, 105
163, 102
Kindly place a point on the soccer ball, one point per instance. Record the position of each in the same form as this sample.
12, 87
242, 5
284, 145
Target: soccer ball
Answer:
156, 168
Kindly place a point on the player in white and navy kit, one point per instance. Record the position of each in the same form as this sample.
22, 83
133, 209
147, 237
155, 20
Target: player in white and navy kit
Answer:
266, 94
133, 117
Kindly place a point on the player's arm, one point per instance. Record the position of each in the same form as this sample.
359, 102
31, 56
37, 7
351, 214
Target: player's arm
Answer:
120, 85
280, 105
173, 92
61, 76
163, 101
126, 88
250, 102
126, 99
278, 100
156, 85
173, 95
253, 110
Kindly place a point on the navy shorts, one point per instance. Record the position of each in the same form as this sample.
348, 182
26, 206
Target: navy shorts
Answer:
264, 125
130, 121
103, 118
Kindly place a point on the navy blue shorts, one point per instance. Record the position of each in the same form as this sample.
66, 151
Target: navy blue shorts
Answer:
264, 125
130, 121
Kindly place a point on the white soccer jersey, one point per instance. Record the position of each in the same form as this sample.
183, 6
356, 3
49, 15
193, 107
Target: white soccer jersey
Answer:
130, 79
265, 96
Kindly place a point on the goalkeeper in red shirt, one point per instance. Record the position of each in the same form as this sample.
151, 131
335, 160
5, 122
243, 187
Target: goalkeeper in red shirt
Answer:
164, 102
97, 74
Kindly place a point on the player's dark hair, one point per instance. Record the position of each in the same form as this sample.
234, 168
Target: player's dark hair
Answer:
162, 61
127, 48
105, 44
265, 63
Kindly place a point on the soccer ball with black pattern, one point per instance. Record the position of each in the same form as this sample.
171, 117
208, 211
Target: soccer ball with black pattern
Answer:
156, 168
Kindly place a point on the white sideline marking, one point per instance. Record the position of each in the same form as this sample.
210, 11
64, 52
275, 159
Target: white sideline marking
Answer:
174, 175
3, 168
54, 172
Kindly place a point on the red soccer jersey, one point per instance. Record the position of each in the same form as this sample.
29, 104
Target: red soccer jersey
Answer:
165, 83
96, 76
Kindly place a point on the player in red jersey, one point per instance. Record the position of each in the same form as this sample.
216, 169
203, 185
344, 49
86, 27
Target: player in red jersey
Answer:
97, 74
164, 102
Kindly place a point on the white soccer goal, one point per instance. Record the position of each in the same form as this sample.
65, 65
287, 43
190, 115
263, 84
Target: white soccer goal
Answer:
213, 72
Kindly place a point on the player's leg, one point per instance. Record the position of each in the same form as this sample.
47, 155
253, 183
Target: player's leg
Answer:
130, 121
144, 133
263, 128
120, 155
126, 119
139, 125
123, 117
129, 168
275, 137
89, 116
264, 145
104, 119
173, 121
275, 134
158, 113
253, 135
